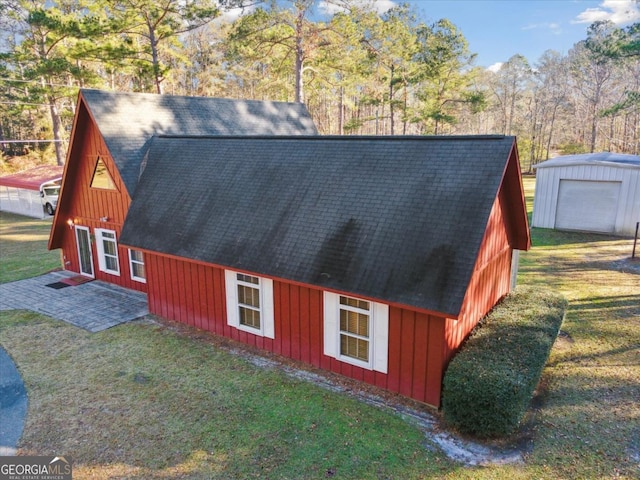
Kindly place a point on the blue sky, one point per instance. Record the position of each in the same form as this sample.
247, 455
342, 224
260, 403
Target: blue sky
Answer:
498, 29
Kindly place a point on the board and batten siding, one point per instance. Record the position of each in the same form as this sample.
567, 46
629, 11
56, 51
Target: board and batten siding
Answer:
490, 280
194, 294
90, 206
419, 344
547, 191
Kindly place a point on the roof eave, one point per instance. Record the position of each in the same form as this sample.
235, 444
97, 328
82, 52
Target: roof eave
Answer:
405, 306
54, 236
521, 238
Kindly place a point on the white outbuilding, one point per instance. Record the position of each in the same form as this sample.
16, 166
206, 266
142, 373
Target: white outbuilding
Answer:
33, 193
595, 192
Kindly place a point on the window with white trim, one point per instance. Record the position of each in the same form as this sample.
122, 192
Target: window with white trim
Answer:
107, 251
250, 303
355, 320
356, 331
136, 266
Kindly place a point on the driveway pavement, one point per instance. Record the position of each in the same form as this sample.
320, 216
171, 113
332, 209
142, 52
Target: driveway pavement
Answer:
94, 306
13, 405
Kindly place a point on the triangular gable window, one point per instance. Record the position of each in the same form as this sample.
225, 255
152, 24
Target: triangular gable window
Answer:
101, 178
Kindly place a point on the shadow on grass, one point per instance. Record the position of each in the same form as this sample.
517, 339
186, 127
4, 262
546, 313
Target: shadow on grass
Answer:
620, 306
546, 237
590, 357
624, 265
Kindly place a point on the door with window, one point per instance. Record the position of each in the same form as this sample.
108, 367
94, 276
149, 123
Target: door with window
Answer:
83, 239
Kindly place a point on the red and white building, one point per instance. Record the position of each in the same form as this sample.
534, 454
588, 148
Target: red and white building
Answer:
371, 257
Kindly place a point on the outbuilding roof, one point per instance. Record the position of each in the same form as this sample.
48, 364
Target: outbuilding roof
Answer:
33, 178
399, 219
127, 121
603, 158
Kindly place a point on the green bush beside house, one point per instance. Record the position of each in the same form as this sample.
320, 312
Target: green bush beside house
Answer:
489, 384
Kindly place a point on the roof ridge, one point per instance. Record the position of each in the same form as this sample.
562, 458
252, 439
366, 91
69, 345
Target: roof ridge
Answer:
339, 137
194, 97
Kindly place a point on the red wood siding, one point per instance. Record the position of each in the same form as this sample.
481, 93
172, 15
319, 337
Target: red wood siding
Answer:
86, 206
194, 294
490, 280
416, 343
420, 344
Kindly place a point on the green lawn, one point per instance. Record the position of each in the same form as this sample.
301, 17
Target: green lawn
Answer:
158, 400
23, 247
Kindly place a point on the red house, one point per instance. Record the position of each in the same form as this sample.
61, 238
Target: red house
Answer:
108, 147
372, 257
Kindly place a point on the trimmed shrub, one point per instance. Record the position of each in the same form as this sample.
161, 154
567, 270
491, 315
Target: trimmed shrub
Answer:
489, 384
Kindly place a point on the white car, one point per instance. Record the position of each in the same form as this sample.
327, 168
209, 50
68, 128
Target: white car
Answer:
49, 194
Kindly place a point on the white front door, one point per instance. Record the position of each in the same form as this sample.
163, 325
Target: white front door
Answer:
84, 251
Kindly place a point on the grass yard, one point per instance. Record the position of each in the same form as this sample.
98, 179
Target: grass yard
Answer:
588, 425
155, 400
23, 247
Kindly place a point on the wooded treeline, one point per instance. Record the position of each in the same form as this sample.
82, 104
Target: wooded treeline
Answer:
359, 72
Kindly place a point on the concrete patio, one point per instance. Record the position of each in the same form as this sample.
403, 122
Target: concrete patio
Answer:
93, 306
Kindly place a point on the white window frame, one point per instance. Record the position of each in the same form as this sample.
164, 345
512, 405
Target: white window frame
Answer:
102, 255
132, 261
265, 286
378, 333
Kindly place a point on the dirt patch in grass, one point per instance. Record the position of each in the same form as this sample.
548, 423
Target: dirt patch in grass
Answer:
563, 342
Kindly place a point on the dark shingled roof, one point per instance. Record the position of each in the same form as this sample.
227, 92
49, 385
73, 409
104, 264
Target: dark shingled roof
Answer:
127, 121
399, 219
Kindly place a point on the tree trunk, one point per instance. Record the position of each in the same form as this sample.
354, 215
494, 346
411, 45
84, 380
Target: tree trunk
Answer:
341, 112
553, 120
392, 125
157, 78
404, 119
512, 108
611, 133
57, 130
594, 129
299, 58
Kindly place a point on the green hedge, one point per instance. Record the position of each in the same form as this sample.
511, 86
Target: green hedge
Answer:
489, 384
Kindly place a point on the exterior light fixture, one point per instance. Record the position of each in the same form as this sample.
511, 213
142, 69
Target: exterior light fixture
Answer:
71, 223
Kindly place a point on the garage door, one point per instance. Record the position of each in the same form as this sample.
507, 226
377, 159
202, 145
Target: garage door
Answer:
589, 206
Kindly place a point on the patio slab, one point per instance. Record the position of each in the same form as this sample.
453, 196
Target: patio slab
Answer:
93, 306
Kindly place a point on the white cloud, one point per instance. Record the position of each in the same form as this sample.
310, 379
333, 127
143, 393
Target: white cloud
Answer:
232, 14
619, 12
331, 7
551, 26
382, 6
495, 67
